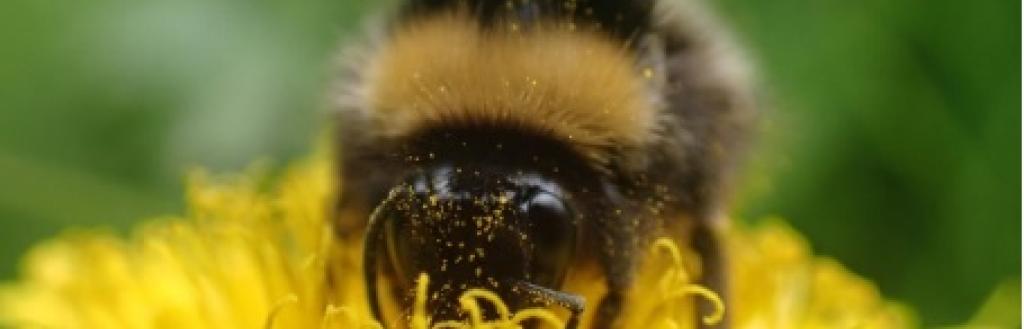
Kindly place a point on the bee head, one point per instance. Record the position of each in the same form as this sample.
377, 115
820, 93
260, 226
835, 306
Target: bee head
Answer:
496, 228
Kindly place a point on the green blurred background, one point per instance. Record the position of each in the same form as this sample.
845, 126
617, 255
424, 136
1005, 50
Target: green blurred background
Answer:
892, 141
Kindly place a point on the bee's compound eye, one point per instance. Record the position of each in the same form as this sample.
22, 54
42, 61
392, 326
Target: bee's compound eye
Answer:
553, 236
399, 239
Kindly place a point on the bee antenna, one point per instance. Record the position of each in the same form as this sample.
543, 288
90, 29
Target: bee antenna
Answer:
576, 304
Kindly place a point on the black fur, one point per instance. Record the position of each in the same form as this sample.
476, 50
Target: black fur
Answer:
622, 18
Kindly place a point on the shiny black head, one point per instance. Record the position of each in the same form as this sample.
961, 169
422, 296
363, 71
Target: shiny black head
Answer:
479, 227
478, 220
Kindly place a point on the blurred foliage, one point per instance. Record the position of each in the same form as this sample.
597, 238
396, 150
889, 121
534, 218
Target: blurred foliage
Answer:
891, 139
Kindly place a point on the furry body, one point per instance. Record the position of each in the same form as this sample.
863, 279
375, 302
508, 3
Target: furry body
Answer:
638, 117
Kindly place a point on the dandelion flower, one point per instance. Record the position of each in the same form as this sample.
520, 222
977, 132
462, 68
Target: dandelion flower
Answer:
247, 256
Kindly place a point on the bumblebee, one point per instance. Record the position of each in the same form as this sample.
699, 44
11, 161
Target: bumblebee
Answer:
512, 145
